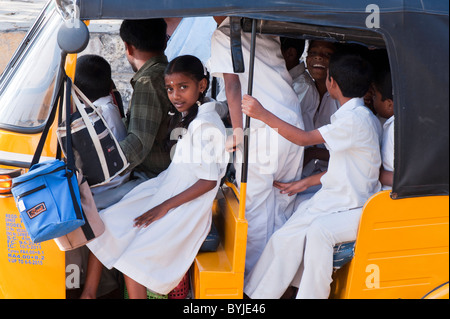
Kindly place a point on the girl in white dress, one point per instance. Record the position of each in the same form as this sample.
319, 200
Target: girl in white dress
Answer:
154, 233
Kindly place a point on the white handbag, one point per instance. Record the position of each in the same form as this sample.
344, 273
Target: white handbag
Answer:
97, 152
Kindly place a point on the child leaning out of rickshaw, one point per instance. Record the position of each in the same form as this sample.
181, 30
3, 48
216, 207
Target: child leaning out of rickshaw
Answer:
154, 233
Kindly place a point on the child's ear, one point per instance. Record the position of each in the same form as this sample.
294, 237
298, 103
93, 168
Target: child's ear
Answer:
129, 48
390, 106
202, 85
333, 83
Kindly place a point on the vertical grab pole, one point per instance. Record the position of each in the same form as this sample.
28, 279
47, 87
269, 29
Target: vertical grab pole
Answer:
243, 190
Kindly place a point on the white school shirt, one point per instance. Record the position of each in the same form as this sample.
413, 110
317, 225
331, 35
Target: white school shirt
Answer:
328, 106
319, 115
387, 147
192, 36
353, 139
272, 84
111, 114
307, 93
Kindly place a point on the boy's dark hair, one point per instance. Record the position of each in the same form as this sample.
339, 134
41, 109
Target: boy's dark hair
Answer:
352, 73
147, 35
382, 74
93, 76
298, 44
383, 83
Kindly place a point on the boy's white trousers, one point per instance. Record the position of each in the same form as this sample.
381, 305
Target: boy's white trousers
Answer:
301, 254
271, 158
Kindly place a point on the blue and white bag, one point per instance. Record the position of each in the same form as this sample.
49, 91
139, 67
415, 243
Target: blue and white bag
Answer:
48, 200
47, 196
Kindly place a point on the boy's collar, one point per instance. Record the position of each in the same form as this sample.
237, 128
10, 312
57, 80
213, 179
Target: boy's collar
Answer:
352, 103
103, 100
389, 121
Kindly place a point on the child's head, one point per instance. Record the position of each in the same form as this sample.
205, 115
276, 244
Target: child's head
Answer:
383, 101
318, 58
93, 76
186, 83
147, 35
351, 72
292, 49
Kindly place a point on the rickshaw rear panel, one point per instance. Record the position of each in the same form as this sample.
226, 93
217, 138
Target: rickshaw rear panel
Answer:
400, 251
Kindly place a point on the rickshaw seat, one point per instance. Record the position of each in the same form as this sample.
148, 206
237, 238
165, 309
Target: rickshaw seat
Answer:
342, 254
220, 273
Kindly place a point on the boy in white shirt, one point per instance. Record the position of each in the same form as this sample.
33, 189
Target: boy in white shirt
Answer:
316, 104
332, 215
93, 78
322, 107
384, 106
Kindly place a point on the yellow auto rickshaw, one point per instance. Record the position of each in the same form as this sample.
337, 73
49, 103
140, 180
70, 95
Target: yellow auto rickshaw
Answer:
401, 250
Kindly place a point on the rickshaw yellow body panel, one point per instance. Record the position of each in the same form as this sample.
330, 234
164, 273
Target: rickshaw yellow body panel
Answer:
21, 147
441, 292
29, 270
220, 274
401, 250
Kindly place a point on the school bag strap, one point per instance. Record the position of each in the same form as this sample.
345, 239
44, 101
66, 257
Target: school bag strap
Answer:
38, 152
90, 127
70, 160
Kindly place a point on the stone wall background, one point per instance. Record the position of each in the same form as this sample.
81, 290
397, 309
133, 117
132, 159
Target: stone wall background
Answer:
17, 17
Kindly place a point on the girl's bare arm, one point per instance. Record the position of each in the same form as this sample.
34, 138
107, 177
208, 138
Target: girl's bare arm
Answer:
201, 187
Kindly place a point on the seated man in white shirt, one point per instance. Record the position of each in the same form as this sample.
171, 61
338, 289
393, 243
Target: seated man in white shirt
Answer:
305, 242
319, 111
316, 104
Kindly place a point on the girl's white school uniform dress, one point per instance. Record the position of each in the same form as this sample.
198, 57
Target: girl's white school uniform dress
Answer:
271, 156
159, 255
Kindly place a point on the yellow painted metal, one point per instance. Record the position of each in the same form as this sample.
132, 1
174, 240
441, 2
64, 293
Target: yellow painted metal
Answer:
29, 270
401, 250
220, 274
242, 197
441, 292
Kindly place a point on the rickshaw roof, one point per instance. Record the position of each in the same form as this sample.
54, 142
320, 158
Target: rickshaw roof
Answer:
416, 36
261, 9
